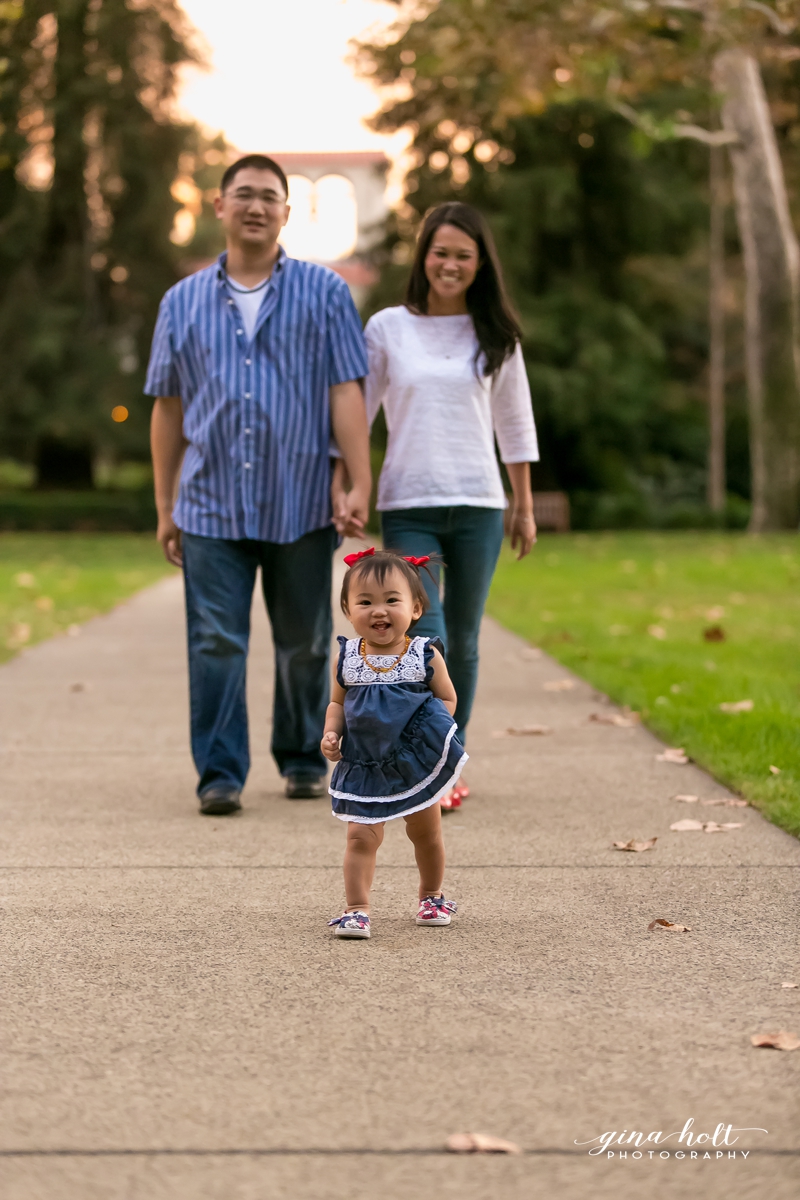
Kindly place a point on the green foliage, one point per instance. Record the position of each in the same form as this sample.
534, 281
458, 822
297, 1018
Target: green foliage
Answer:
88, 151
628, 612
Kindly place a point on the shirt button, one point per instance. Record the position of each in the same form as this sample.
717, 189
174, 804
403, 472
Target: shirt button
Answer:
247, 465
247, 362
240, 331
248, 431
247, 395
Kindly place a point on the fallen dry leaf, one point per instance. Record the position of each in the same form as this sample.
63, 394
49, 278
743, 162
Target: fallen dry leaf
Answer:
77, 687
558, 685
714, 633
788, 985
687, 825
688, 799
782, 1040
73, 630
673, 754
618, 719
715, 613
775, 770
725, 802
657, 631
736, 706
44, 603
636, 847
24, 580
673, 927
480, 1143
714, 827
20, 634
521, 731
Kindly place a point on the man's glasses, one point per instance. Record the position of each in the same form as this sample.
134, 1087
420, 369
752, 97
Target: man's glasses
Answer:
244, 196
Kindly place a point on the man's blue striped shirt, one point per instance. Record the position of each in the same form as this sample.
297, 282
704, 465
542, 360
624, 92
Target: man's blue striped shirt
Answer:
256, 415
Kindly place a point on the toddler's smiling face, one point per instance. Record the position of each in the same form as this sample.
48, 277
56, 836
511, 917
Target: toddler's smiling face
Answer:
381, 613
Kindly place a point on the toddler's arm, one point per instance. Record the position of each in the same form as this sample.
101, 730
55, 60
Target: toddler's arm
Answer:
334, 725
441, 684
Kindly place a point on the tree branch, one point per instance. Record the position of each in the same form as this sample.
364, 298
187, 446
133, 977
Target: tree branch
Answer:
663, 131
782, 27
710, 137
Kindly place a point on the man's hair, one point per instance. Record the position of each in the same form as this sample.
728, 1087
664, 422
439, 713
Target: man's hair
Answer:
377, 566
261, 163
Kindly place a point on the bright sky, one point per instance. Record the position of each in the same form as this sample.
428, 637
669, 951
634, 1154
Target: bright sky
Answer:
278, 79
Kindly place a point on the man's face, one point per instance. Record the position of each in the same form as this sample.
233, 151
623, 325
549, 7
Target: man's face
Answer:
253, 208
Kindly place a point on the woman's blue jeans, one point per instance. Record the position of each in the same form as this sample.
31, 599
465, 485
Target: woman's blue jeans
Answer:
220, 576
468, 539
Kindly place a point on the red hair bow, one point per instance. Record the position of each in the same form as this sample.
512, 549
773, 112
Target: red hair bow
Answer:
351, 559
418, 562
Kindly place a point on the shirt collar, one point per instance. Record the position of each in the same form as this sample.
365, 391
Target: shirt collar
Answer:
280, 261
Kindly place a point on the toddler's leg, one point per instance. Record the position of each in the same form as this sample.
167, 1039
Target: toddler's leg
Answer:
359, 863
425, 830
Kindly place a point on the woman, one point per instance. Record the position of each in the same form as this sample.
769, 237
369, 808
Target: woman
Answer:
447, 369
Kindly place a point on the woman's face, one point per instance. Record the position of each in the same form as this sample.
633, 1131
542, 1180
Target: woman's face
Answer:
451, 263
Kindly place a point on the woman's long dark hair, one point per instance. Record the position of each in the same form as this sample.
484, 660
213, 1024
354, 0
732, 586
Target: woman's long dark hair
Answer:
495, 323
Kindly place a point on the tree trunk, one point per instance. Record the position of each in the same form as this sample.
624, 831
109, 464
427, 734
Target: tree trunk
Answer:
772, 276
716, 321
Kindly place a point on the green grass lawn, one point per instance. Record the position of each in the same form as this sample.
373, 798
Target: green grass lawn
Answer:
51, 581
628, 611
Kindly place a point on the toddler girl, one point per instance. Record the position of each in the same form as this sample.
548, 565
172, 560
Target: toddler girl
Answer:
392, 708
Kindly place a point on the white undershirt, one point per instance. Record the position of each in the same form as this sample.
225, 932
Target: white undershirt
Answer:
248, 303
441, 417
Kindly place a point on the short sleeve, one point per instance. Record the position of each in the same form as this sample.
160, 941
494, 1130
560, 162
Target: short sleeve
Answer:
512, 413
378, 377
431, 645
340, 661
162, 377
347, 351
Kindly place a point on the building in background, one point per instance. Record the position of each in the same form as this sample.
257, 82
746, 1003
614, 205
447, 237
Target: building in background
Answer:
338, 211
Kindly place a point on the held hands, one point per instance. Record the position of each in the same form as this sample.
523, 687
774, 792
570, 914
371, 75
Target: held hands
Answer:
330, 746
350, 508
522, 531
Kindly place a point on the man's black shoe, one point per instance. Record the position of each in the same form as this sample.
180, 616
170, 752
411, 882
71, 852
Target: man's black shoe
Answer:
305, 787
219, 802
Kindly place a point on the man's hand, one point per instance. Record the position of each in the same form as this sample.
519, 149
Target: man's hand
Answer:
351, 433
167, 444
350, 506
330, 747
522, 531
169, 536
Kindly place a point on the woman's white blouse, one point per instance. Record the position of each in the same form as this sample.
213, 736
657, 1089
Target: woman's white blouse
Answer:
441, 417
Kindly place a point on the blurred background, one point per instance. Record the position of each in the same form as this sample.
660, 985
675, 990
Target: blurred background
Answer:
118, 118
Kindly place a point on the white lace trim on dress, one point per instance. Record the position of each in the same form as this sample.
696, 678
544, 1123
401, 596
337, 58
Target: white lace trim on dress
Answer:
410, 669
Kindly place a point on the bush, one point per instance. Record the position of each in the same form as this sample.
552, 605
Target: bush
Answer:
112, 512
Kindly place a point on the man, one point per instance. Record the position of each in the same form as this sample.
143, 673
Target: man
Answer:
256, 361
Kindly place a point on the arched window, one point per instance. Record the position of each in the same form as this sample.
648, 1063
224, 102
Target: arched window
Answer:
323, 225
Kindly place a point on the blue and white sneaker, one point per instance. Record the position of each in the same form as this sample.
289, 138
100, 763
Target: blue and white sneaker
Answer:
435, 910
352, 925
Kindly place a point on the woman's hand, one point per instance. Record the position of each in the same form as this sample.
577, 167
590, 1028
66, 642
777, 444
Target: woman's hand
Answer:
522, 531
350, 505
330, 747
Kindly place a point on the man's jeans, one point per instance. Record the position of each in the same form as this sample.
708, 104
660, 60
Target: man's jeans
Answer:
469, 541
220, 576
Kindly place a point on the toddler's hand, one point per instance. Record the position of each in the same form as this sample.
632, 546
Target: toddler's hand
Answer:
330, 747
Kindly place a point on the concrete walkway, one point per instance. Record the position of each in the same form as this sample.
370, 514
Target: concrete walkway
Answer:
177, 1022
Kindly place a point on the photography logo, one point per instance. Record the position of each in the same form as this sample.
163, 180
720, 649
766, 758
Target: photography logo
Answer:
686, 1143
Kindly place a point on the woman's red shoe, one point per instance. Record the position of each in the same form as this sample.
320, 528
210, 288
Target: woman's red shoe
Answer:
451, 801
